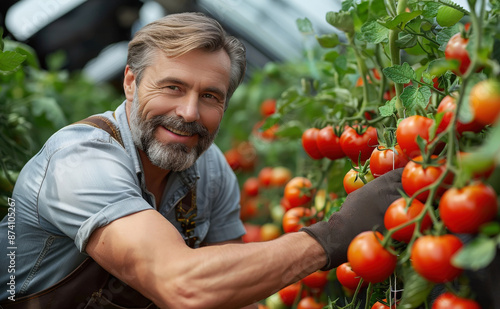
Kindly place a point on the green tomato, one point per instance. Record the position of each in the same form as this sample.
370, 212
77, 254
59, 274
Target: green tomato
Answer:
448, 16
277, 213
274, 302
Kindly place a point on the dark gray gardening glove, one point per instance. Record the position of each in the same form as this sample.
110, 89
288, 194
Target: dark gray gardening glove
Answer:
363, 210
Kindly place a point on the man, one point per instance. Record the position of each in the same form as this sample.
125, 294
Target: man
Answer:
119, 197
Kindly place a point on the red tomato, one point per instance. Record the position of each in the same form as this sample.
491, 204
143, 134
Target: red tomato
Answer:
264, 176
354, 144
252, 233
233, 158
316, 280
248, 155
464, 210
280, 176
456, 50
352, 182
329, 144
296, 218
383, 160
309, 144
407, 132
268, 134
310, 303
379, 305
484, 100
348, 278
249, 208
416, 177
251, 186
285, 204
398, 214
448, 300
298, 191
289, 293
268, 107
369, 259
431, 257
447, 106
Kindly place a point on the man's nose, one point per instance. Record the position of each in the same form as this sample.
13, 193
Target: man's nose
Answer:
188, 109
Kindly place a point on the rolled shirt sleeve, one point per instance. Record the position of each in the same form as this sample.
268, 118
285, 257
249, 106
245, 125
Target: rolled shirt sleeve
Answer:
86, 186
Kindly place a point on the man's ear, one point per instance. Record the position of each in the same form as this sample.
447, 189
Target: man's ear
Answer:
129, 83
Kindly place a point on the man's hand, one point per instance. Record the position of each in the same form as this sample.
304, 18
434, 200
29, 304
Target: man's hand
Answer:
363, 210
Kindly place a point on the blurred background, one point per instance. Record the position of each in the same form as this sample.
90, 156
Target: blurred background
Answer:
93, 34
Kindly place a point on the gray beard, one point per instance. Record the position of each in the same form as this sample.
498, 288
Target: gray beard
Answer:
172, 156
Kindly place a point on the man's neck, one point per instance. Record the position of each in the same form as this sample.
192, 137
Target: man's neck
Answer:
155, 177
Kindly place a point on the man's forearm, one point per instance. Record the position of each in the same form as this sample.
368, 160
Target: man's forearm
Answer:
235, 275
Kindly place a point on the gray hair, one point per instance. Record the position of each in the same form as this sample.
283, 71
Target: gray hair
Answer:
177, 34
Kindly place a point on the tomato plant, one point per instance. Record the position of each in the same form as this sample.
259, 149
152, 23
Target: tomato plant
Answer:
431, 257
379, 305
450, 300
352, 181
407, 132
329, 144
485, 101
289, 293
369, 259
296, 218
348, 278
383, 160
417, 176
280, 176
298, 191
464, 210
358, 145
456, 49
398, 214
309, 138
251, 186
316, 280
268, 107
447, 106
310, 303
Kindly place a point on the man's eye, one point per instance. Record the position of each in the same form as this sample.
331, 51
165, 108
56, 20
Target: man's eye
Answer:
172, 87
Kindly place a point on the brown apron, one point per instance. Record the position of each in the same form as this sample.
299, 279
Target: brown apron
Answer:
89, 286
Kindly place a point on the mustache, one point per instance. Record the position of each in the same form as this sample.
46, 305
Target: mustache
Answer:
179, 124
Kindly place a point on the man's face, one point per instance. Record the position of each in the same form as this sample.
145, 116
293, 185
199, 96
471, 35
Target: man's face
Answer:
177, 108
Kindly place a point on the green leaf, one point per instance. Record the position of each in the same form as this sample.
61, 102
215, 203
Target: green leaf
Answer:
400, 20
347, 4
440, 66
373, 32
304, 25
48, 106
406, 41
328, 40
291, 129
444, 36
10, 61
416, 289
341, 20
477, 254
400, 74
413, 97
331, 56
448, 16
389, 108
430, 9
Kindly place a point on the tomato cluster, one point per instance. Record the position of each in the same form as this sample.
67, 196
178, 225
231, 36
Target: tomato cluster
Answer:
435, 116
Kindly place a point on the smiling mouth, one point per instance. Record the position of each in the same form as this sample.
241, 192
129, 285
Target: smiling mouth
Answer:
181, 133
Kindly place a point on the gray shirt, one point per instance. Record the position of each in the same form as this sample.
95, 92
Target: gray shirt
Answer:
83, 179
